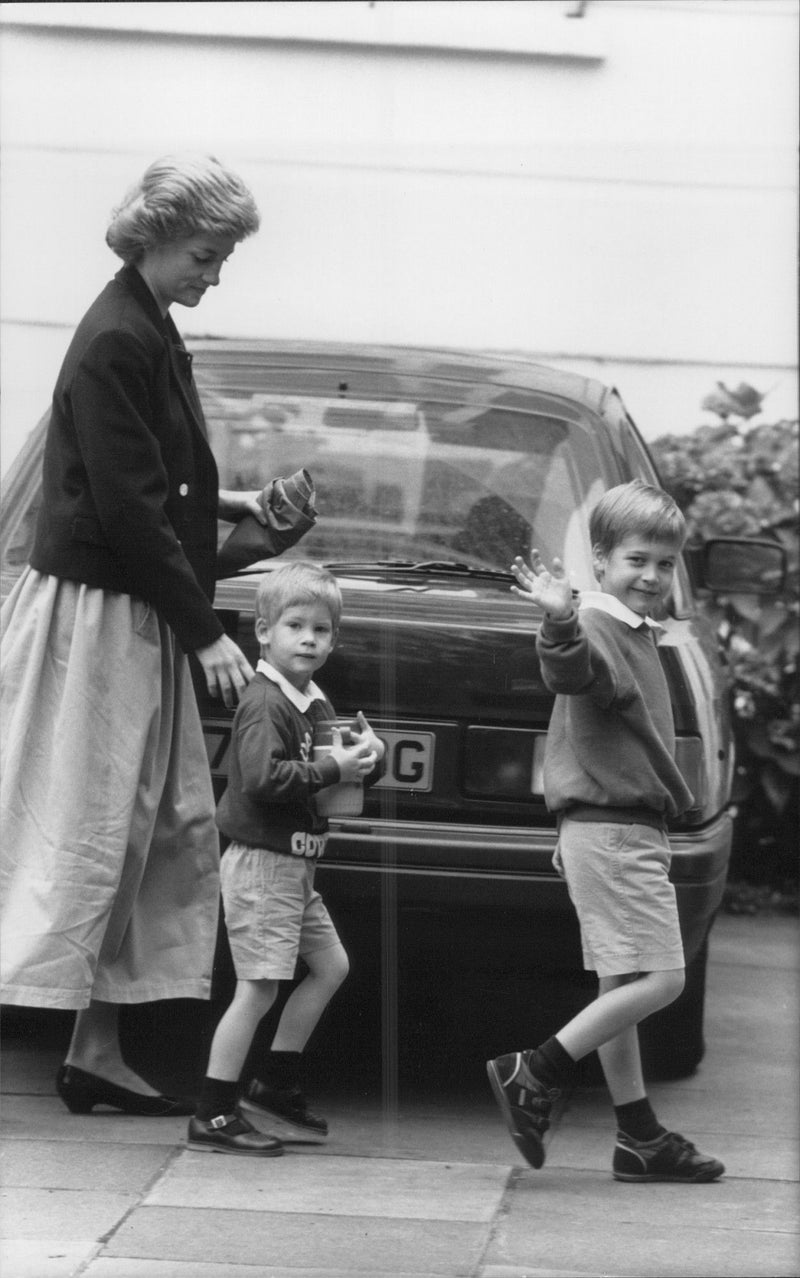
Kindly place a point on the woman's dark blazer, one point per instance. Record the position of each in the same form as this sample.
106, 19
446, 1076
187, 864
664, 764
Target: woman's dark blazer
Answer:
130, 489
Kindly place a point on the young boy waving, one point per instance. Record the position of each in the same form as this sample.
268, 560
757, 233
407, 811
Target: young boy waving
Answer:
610, 776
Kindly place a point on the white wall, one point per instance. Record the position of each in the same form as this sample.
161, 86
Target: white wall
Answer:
615, 192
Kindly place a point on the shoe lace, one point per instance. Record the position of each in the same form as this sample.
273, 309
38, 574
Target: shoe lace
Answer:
684, 1148
531, 1083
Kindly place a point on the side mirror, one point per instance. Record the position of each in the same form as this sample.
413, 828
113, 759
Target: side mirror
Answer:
740, 566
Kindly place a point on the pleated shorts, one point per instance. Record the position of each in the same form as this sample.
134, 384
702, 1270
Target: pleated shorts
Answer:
618, 881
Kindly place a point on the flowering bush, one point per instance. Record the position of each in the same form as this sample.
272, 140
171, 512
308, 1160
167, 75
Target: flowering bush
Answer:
733, 481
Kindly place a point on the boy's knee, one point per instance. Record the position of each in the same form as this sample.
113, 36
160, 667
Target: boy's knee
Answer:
330, 967
340, 969
671, 984
262, 993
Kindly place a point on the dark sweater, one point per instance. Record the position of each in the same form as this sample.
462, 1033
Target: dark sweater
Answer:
272, 776
611, 740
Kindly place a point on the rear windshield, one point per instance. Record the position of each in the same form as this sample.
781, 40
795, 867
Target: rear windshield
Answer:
418, 480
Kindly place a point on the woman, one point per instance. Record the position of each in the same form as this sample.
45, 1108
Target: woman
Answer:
110, 851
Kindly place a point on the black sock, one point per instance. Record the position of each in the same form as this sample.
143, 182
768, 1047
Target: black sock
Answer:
636, 1119
552, 1064
217, 1096
281, 1070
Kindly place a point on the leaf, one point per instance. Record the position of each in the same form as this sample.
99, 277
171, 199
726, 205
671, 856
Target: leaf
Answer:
746, 606
772, 618
777, 788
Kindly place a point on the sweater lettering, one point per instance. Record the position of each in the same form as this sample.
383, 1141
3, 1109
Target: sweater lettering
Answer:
310, 845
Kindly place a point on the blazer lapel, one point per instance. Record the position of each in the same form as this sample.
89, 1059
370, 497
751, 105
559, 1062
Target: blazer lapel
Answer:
180, 361
181, 364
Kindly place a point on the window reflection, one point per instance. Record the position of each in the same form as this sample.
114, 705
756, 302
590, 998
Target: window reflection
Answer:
401, 479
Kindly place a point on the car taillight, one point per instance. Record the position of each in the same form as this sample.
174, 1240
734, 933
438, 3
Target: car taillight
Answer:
508, 763
504, 763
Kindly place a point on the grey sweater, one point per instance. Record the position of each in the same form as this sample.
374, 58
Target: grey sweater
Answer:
611, 740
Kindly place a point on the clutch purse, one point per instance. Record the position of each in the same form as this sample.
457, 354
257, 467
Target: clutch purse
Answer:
289, 507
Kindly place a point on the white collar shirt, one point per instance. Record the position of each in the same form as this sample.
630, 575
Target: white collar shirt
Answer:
615, 608
302, 700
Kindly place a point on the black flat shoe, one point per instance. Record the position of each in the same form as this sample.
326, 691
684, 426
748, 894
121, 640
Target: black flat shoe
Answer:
231, 1134
81, 1091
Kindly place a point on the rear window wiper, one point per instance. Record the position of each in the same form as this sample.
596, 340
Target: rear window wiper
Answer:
420, 565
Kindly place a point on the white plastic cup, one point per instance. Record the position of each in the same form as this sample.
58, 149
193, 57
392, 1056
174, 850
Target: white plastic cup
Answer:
345, 798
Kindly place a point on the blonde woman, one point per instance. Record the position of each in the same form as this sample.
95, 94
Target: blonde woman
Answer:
109, 869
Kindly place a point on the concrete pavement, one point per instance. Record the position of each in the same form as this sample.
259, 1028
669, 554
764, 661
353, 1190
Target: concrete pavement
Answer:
435, 1191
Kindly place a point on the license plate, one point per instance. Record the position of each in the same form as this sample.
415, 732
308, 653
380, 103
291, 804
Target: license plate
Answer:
409, 760
409, 756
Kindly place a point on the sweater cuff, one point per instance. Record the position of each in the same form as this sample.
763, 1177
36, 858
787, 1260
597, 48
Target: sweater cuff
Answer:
560, 631
329, 771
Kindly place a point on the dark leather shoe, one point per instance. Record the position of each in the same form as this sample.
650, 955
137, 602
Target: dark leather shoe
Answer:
289, 1109
81, 1091
231, 1134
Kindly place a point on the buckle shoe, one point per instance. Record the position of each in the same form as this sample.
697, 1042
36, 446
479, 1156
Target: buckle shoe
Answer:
525, 1103
288, 1110
668, 1157
231, 1134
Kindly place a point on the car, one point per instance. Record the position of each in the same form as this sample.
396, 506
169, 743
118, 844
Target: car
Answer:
433, 469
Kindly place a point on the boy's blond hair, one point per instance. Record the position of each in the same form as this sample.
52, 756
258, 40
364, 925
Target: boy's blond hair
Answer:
639, 509
297, 582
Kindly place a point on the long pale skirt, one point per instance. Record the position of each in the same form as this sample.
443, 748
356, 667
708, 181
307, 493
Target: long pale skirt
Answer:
109, 854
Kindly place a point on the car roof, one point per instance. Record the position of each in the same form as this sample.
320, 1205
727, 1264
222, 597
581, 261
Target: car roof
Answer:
509, 371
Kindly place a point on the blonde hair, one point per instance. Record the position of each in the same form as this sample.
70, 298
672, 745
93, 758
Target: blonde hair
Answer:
297, 582
179, 196
636, 508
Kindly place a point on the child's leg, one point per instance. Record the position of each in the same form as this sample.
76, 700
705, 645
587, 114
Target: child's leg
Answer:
622, 1002
234, 1034
327, 969
218, 1124
525, 1084
277, 1087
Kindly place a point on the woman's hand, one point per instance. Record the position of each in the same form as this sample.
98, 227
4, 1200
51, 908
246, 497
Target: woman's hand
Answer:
233, 506
226, 669
549, 588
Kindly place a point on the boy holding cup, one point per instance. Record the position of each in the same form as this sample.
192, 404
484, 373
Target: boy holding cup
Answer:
273, 913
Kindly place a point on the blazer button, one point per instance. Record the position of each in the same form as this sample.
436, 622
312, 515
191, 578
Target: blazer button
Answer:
184, 490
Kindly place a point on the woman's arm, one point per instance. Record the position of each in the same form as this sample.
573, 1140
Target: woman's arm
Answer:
233, 506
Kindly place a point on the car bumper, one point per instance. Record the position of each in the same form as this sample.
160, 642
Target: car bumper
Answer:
430, 867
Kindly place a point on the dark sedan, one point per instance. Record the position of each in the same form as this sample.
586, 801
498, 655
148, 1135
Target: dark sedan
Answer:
432, 471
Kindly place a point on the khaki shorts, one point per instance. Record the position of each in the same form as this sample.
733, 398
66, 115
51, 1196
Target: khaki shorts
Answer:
618, 881
273, 914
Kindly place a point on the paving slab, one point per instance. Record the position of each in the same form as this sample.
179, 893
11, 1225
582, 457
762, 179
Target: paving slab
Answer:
571, 1221
527, 1271
67, 1214
356, 1244
81, 1164
109, 1267
351, 1186
44, 1117
44, 1257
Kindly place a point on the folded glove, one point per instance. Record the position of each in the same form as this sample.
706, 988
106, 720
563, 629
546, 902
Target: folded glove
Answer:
289, 507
